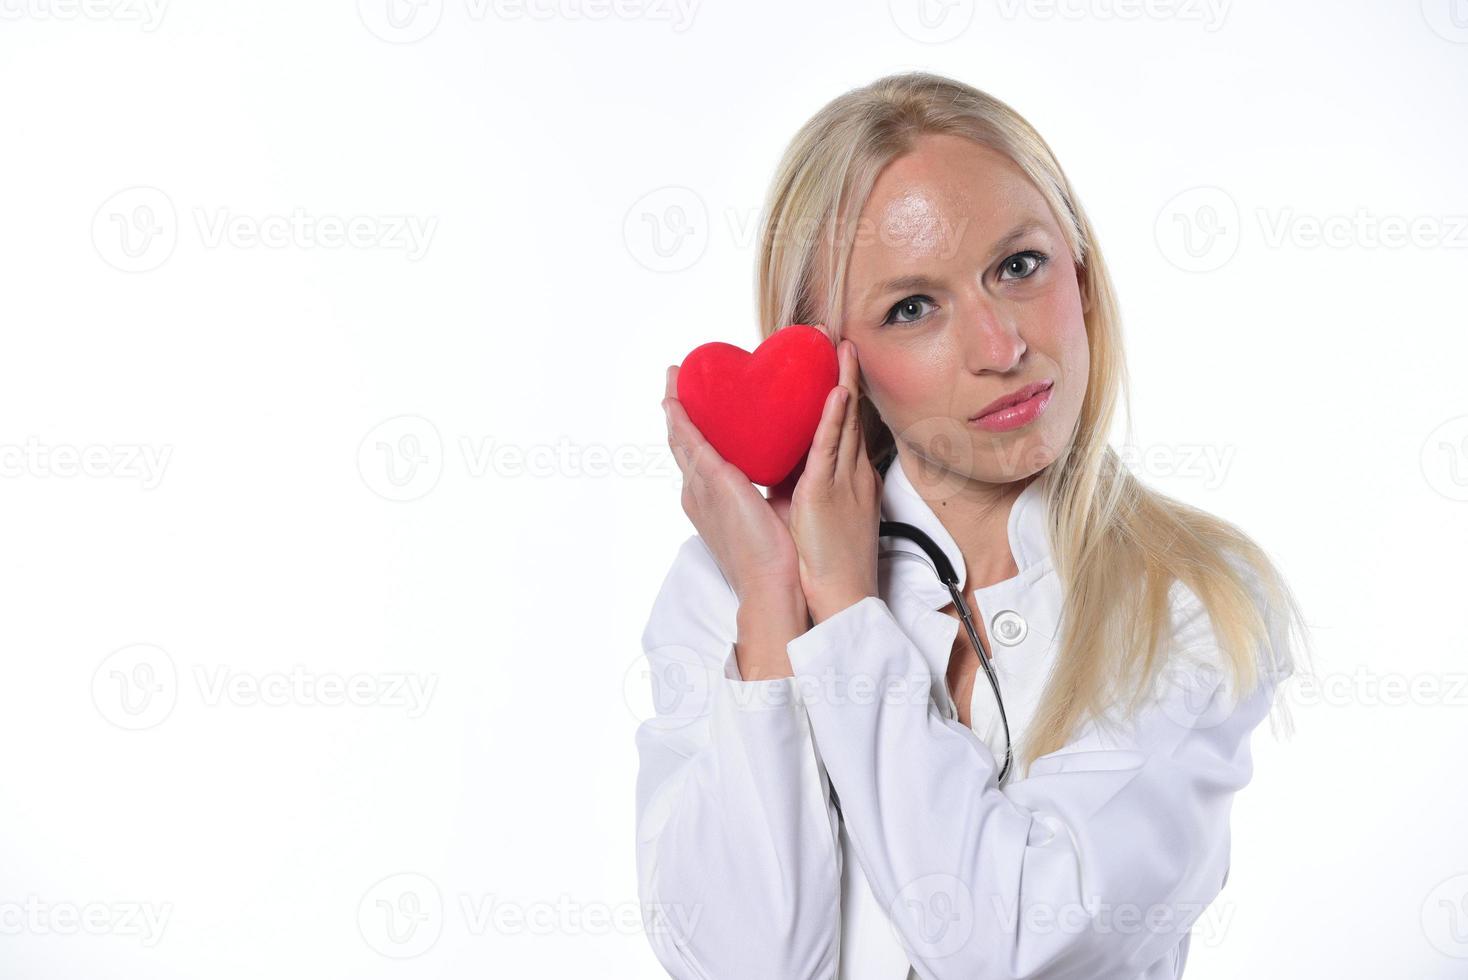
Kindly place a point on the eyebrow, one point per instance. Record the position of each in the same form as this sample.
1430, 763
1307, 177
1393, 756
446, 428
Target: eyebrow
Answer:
920, 281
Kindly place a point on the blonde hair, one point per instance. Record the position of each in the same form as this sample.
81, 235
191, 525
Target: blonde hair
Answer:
1119, 546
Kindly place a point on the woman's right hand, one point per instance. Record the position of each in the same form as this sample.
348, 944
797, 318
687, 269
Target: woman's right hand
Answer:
747, 533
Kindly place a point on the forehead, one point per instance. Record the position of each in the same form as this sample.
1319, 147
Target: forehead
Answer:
948, 194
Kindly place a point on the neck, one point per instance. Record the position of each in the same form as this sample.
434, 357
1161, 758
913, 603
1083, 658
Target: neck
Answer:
975, 513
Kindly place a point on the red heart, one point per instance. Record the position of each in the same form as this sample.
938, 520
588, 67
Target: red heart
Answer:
760, 411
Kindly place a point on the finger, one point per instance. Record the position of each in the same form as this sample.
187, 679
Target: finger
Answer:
864, 407
675, 445
862, 457
851, 421
700, 457
821, 462
670, 391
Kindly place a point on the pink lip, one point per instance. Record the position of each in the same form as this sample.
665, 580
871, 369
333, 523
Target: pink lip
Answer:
1015, 410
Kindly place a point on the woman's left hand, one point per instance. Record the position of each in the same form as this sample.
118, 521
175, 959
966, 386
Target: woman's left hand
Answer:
835, 508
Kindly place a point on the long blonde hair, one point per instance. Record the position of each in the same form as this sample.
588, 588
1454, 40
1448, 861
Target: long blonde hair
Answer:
1118, 545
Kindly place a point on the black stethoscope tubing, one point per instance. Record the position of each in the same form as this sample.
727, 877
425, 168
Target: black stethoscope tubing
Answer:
944, 568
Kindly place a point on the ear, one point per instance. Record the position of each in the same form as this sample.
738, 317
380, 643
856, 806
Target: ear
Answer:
1085, 290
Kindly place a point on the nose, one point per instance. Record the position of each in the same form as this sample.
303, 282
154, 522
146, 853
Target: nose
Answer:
989, 340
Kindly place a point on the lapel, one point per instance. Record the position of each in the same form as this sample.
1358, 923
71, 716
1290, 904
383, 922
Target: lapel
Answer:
915, 594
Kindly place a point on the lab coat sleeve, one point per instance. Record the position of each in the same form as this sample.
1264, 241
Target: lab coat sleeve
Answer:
738, 855
1093, 866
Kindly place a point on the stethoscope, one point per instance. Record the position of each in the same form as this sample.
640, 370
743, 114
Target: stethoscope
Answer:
944, 569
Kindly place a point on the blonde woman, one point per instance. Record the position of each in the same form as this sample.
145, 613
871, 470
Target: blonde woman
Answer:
820, 794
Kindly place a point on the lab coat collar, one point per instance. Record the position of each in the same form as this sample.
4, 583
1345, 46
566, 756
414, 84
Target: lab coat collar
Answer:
1028, 540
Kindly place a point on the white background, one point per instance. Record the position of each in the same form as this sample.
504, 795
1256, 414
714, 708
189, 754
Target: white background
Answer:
237, 472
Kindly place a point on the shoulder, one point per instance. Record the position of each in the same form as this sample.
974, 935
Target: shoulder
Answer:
693, 599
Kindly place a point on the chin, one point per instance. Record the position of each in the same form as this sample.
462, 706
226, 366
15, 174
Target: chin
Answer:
1016, 461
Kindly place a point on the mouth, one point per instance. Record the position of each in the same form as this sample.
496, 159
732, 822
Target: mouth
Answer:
1013, 398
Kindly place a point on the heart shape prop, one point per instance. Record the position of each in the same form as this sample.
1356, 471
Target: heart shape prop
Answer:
760, 411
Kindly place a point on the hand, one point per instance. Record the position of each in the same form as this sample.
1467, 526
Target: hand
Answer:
835, 510
747, 533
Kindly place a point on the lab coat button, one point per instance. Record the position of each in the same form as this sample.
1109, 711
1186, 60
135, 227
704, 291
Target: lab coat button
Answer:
1008, 627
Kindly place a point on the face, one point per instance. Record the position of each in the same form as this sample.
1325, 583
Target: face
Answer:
961, 291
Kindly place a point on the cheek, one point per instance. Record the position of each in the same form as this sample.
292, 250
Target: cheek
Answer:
1070, 348
1075, 351
898, 382
1064, 334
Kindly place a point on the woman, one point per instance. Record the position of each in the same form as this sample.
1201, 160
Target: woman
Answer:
819, 795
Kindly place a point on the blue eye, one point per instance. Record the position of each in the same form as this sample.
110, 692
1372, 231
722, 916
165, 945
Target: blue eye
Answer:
1036, 259
906, 306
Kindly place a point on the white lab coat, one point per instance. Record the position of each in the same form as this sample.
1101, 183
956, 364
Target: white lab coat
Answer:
1092, 865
